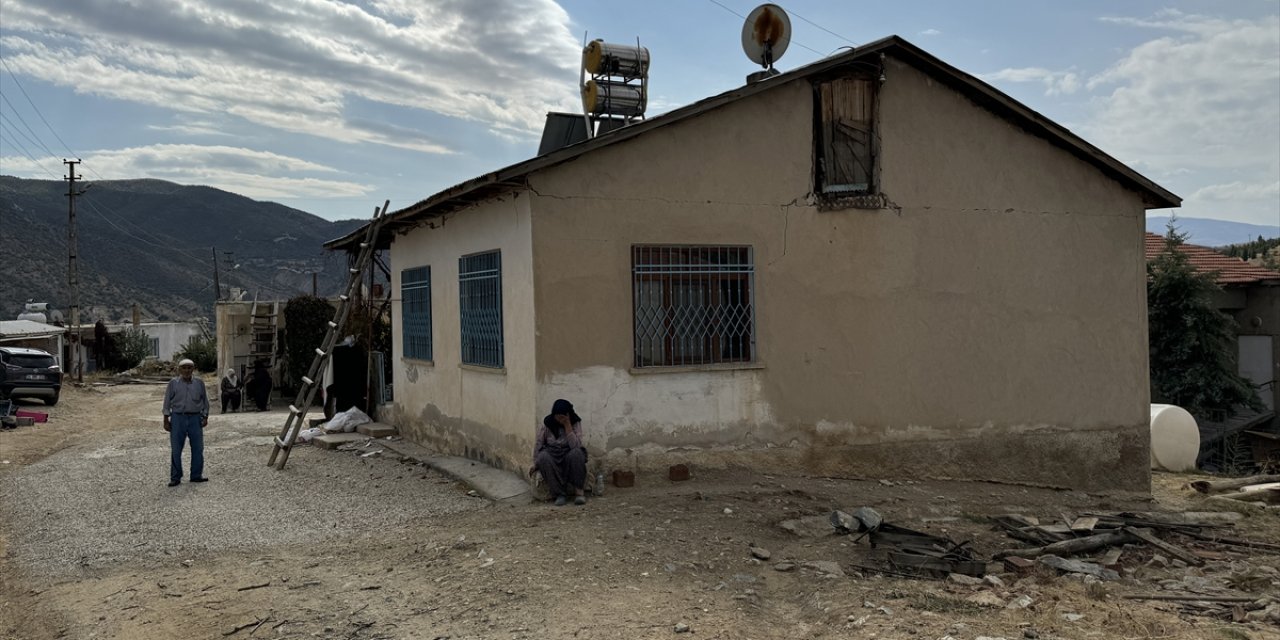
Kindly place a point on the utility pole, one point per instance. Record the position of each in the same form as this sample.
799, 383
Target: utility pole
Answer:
217, 289
73, 267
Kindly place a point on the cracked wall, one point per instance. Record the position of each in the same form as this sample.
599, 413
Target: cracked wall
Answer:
992, 326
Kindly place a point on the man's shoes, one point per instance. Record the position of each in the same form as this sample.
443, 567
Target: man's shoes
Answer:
580, 500
199, 479
561, 501
174, 483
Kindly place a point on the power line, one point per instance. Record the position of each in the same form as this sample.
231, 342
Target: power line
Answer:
823, 28
796, 42
41, 115
14, 128
166, 247
139, 227
26, 153
24, 123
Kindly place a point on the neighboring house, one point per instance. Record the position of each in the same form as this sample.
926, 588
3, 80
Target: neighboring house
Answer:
875, 265
33, 335
167, 338
1251, 296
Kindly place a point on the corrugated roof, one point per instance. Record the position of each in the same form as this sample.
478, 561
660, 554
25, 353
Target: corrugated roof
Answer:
1230, 270
27, 329
512, 177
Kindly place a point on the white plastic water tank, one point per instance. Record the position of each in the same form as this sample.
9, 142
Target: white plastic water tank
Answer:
1175, 438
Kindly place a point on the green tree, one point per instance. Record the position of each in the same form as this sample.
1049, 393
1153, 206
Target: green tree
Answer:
1192, 342
133, 345
203, 351
306, 321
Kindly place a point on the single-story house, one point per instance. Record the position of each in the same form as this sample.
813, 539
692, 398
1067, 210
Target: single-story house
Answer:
1251, 296
874, 265
167, 338
33, 335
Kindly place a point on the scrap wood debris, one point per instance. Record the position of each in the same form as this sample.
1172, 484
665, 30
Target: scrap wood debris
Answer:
1252, 491
1114, 533
904, 552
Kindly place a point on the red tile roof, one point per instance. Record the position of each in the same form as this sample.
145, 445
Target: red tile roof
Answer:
1230, 270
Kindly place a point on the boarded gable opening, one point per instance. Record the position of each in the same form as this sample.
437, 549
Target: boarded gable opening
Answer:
846, 148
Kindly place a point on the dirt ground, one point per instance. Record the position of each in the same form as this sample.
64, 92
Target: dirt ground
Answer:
635, 563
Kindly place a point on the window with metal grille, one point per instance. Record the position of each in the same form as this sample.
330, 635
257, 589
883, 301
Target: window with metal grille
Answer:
415, 305
480, 306
693, 305
155, 347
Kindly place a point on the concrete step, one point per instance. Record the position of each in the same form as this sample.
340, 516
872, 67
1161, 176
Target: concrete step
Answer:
377, 430
335, 440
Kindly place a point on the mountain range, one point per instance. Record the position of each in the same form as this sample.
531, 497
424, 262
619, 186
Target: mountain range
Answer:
152, 243
1208, 232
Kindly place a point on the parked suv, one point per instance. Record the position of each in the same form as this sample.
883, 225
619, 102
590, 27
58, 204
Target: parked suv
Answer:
29, 373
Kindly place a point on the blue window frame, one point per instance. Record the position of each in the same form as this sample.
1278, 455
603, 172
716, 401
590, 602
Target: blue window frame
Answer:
415, 305
480, 308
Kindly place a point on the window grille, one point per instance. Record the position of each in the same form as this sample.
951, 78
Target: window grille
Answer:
155, 347
480, 306
415, 305
693, 305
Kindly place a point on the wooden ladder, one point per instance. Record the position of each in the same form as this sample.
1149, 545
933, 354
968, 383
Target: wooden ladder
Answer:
306, 394
262, 327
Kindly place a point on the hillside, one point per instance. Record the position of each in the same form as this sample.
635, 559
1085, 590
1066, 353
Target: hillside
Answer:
151, 242
1208, 232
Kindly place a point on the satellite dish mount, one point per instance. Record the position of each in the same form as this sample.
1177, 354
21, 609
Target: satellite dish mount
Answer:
765, 36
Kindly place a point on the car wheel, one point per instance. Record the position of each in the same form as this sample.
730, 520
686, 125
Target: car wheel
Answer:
51, 401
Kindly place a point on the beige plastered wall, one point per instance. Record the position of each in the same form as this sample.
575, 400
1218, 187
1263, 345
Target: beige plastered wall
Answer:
992, 325
231, 326
482, 413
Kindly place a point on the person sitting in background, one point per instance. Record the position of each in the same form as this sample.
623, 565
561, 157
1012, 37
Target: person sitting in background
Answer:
259, 386
558, 453
230, 390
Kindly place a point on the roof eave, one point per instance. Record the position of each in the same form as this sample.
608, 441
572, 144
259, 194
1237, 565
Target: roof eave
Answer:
512, 177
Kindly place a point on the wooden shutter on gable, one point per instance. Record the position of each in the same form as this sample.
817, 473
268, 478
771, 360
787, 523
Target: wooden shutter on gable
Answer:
847, 135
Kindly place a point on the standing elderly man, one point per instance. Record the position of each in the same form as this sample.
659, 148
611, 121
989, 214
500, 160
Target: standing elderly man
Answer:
186, 414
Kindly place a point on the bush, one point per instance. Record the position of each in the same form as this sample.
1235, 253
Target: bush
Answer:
202, 351
306, 321
133, 346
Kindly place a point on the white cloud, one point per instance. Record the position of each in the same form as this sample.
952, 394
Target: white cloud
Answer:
293, 64
256, 174
1237, 191
1196, 106
930, 32
1055, 82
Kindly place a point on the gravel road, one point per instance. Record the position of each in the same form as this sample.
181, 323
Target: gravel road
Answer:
106, 498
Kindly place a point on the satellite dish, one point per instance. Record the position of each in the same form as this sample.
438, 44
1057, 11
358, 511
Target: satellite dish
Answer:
766, 34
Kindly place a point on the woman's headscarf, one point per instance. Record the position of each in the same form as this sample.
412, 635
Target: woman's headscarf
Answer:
231, 375
560, 407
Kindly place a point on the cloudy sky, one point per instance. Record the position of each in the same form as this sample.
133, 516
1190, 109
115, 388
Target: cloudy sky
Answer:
332, 106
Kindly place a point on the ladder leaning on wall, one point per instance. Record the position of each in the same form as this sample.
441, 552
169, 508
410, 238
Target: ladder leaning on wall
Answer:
307, 393
263, 318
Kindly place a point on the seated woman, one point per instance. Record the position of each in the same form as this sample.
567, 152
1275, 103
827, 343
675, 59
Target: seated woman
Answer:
230, 390
558, 453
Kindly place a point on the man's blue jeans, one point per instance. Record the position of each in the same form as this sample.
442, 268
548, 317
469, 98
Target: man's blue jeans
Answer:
184, 426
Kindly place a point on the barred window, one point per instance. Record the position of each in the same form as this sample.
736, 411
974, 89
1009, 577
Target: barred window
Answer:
693, 305
415, 288
480, 306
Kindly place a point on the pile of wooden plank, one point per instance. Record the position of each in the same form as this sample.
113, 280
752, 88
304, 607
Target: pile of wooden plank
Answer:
1252, 491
